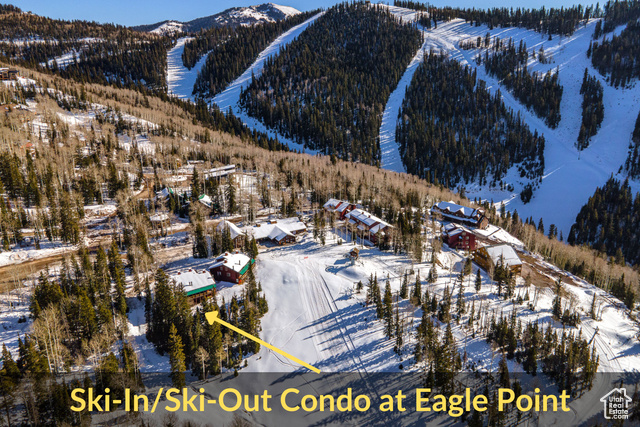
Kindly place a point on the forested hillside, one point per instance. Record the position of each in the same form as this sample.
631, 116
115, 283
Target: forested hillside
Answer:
592, 109
129, 64
328, 88
632, 165
563, 21
105, 54
617, 12
231, 51
542, 93
618, 57
452, 130
610, 222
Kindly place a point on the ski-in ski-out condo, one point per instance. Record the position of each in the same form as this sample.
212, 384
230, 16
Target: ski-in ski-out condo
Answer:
231, 267
461, 214
197, 285
488, 257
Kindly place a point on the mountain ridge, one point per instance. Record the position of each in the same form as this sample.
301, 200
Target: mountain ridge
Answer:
233, 17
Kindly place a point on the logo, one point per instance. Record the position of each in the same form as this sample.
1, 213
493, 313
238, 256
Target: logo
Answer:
616, 404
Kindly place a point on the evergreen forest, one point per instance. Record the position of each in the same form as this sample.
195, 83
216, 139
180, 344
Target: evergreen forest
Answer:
328, 88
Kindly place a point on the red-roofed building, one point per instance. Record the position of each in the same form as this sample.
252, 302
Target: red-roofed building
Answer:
457, 237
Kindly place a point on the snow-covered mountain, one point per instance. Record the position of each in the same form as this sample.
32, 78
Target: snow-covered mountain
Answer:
267, 12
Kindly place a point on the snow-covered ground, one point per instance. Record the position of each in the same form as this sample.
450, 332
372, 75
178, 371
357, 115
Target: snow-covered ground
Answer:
228, 99
19, 255
570, 176
63, 61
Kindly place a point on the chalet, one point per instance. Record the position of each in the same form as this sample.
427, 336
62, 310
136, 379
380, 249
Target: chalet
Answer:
231, 267
234, 232
488, 257
367, 225
197, 285
339, 208
8, 74
461, 214
280, 232
459, 237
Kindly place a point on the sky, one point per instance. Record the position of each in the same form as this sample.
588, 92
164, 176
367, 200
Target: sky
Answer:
137, 12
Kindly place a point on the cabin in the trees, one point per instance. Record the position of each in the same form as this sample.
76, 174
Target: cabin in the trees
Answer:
234, 232
280, 231
488, 257
8, 74
461, 214
459, 237
231, 267
340, 208
367, 225
197, 285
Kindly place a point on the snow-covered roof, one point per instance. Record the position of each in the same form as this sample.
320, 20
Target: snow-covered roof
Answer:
276, 230
193, 281
219, 171
159, 217
235, 261
363, 217
454, 229
332, 203
205, 200
506, 252
451, 207
234, 231
337, 205
164, 193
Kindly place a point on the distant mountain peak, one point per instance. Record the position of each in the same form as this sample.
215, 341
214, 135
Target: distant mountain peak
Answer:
235, 16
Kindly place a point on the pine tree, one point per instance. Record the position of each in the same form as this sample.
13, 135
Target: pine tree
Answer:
253, 248
404, 289
503, 373
196, 185
116, 269
416, 296
200, 247
478, 283
388, 310
460, 305
232, 206
176, 358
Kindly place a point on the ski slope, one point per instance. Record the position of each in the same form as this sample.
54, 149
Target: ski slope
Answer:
228, 99
180, 80
570, 176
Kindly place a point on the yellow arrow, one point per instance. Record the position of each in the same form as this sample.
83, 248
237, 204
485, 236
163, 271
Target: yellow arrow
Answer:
212, 316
